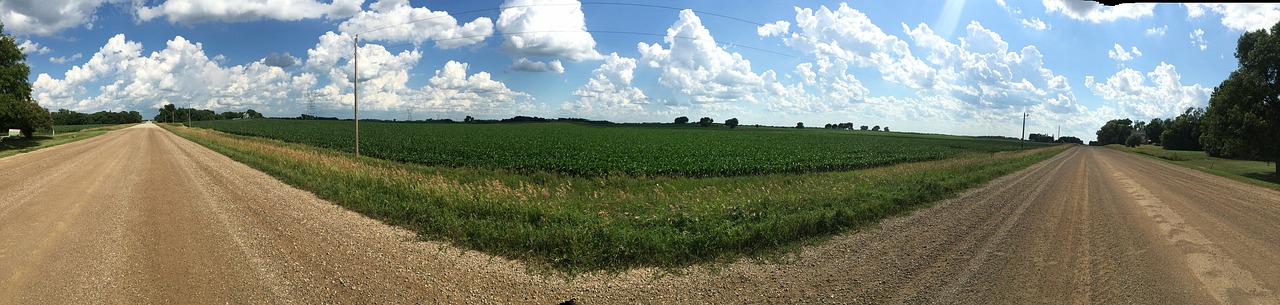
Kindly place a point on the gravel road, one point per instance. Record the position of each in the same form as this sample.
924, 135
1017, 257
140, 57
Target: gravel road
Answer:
139, 215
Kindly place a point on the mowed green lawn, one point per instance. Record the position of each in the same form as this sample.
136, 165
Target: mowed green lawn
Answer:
532, 191
65, 134
1259, 173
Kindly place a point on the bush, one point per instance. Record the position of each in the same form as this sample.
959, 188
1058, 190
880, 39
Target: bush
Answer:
1133, 141
705, 121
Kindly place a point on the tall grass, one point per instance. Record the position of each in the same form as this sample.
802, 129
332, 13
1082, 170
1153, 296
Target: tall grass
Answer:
571, 223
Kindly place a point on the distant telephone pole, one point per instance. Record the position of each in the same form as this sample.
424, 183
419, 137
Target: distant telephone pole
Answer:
355, 92
1023, 138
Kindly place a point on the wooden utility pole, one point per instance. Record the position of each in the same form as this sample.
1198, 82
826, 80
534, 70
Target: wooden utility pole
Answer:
1023, 138
355, 67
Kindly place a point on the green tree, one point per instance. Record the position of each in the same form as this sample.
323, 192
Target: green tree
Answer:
230, 115
682, 120
705, 121
1183, 132
17, 109
1243, 116
1115, 131
168, 113
1154, 129
731, 123
799, 124
251, 114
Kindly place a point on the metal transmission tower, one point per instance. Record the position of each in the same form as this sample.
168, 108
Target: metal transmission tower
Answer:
311, 103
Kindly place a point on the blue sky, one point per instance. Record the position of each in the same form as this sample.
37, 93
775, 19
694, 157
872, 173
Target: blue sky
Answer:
968, 67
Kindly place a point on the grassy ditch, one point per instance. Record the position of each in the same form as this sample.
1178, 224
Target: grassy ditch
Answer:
65, 134
1258, 173
574, 224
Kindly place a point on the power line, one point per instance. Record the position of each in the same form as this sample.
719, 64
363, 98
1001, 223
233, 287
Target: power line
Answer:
699, 12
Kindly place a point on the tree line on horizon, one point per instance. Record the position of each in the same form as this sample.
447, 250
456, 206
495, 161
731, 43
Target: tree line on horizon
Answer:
172, 114
68, 117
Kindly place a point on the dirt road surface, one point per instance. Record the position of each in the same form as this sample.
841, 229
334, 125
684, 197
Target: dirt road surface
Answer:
142, 216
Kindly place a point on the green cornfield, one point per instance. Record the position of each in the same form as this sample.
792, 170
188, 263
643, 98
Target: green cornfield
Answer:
632, 149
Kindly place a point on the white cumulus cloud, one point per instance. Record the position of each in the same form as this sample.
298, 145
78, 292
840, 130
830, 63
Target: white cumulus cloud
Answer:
1034, 24
1197, 39
396, 20
1239, 16
609, 93
453, 90
65, 59
1159, 93
1094, 12
48, 17
848, 34
1117, 52
526, 65
551, 28
123, 78
981, 71
1157, 32
196, 11
30, 47
695, 66
774, 28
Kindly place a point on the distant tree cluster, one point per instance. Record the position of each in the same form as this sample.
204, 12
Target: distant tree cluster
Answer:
732, 123
172, 114
312, 117
1035, 137
1070, 140
1115, 131
1179, 133
706, 121
68, 117
849, 126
